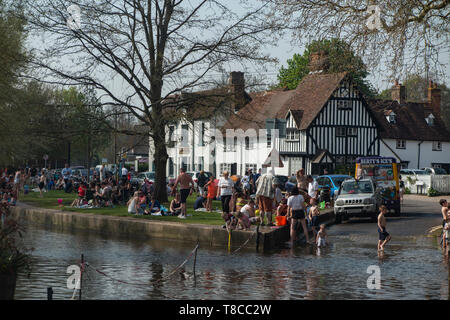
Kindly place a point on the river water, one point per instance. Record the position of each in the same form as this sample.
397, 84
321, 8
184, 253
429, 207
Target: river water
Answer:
412, 268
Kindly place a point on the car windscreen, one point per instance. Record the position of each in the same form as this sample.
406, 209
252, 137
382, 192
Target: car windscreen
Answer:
338, 180
420, 172
440, 171
356, 187
150, 175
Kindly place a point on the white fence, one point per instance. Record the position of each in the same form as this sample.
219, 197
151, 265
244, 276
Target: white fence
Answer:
421, 183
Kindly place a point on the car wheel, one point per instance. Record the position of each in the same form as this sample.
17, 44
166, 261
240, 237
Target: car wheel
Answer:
338, 219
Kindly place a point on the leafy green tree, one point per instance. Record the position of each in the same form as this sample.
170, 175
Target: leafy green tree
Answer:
341, 58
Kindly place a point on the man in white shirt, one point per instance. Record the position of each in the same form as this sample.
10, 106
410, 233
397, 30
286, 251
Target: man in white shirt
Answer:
124, 171
313, 187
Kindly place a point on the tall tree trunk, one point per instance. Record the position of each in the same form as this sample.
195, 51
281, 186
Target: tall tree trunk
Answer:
160, 160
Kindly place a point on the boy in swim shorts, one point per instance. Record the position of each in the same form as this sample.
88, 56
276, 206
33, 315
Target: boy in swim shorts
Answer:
384, 236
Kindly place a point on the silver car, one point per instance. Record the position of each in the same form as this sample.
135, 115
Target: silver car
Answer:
357, 198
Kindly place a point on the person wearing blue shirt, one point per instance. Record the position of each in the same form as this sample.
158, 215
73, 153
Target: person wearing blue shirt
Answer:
66, 173
200, 202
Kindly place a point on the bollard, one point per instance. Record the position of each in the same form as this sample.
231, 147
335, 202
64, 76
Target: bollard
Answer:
81, 275
195, 257
49, 293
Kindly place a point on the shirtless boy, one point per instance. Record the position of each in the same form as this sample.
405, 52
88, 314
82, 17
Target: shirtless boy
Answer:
444, 210
384, 236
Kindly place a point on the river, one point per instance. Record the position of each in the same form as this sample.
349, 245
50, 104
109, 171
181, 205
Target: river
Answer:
412, 268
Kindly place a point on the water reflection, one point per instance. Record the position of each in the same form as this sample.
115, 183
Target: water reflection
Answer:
410, 269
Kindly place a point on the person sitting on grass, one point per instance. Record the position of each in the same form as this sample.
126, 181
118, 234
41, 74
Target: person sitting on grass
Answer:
175, 205
60, 184
154, 206
142, 201
81, 195
200, 202
132, 204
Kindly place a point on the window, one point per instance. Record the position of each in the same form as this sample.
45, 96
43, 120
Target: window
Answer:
201, 141
269, 141
225, 167
352, 132
249, 166
184, 134
430, 119
340, 132
292, 135
230, 147
401, 144
249, 144
344, 104
437, 146
171, 142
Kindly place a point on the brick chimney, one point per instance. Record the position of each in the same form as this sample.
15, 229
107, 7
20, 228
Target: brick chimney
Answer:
434, 98
398, 92
318, 61
236, 83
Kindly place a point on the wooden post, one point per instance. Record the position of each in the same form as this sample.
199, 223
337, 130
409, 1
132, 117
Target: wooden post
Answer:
49, 293
195, 257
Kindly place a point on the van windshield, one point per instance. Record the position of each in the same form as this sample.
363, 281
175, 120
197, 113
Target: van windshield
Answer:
356, 187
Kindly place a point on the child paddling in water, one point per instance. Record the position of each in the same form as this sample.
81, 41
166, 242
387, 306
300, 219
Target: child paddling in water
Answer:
322, 237
384, 236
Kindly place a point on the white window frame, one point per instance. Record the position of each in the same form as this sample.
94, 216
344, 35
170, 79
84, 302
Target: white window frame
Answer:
401, 144
344, 104
437, 146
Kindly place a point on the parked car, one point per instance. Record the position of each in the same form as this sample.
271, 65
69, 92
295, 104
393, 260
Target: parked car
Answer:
141, 176
434, 170
282, 180
357, 198
413, 172
331, 181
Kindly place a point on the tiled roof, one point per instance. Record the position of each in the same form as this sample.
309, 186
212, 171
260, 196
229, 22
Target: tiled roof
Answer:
305, 103
410, 121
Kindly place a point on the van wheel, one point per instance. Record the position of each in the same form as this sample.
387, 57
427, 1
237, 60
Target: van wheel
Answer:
338, 219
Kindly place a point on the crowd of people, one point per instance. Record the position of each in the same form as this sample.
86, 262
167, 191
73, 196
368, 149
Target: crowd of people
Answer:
254, 199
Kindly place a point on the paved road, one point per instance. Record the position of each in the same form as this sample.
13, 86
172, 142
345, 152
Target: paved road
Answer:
422, 214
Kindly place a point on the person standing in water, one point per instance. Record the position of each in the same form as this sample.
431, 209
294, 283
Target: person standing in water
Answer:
384, 236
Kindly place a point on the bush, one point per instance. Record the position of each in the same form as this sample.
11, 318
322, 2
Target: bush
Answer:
407, 190
13, 257
432, 193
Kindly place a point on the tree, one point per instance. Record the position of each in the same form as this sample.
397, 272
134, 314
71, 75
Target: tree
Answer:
157, 49
341, 58
417, 91
405, 34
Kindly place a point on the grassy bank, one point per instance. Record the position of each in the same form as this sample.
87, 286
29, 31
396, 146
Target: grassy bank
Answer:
50, 201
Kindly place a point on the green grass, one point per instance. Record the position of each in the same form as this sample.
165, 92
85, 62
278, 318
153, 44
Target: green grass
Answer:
50, 201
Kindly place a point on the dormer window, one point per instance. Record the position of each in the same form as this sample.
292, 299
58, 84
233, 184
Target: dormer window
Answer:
430, 119
390, 116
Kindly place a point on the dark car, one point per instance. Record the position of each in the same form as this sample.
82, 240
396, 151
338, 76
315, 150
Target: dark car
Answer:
282, 180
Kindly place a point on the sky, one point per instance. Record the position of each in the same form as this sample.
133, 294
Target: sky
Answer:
283, 50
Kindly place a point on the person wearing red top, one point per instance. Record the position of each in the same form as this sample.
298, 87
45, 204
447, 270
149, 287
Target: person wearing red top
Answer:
81, 195
211, 193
